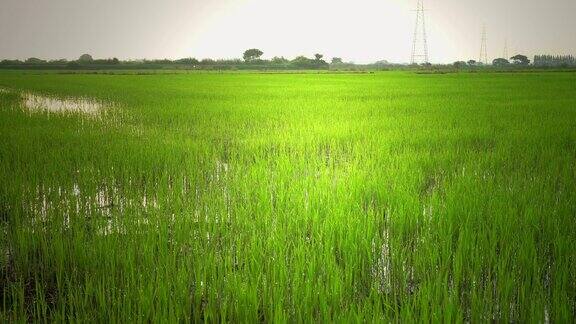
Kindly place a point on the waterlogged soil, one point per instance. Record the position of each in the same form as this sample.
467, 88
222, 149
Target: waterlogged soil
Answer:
109, 199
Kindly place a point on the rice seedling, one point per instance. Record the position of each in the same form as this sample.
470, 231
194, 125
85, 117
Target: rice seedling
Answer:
288, 197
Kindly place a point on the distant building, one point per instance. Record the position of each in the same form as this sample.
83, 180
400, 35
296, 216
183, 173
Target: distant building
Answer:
554, 60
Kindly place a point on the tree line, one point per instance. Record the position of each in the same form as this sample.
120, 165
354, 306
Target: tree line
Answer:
252, 60
516, 60
554, 60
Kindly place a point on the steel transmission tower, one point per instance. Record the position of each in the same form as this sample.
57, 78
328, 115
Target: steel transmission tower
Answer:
419, 42
506, 48
483, 50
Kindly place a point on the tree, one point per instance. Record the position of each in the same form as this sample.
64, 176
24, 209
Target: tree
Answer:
381, 63
500, 62
10, 62
207, 61
337, 60
520, 59
188, 60
472, 62
59, 61
318, 62
252, 54
302, 62
34, 60
85, 58
459, 64
279, 60
72, 65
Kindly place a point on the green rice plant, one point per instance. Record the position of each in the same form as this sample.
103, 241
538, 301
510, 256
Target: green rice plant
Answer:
245, 197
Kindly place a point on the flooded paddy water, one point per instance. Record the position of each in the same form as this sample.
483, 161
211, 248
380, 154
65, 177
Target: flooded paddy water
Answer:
51, 104
35, 102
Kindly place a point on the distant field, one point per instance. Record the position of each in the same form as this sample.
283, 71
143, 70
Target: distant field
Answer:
288, 197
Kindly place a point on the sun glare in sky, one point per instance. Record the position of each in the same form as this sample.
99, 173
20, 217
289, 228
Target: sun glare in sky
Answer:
360, 31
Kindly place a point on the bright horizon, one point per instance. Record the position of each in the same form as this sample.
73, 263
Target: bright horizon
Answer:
362, 31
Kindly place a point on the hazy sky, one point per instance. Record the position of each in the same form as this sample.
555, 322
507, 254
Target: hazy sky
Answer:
359, 30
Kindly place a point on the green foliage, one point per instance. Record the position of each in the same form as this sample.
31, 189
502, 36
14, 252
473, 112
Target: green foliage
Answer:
85, 58
555, 60
73, 65
239, 197
459, 64
60, 61
279, 60
252, 54
500, 62
11, 62
302, 62
189, 60
520, 59
207, 61
34, 60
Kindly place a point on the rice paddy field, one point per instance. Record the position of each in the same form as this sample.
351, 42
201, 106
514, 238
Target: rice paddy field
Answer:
245, 197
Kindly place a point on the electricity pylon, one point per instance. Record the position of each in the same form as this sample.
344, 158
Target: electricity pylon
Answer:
483, 50
419, 42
